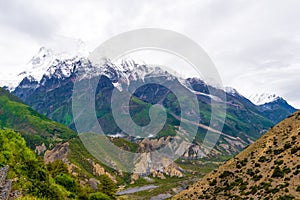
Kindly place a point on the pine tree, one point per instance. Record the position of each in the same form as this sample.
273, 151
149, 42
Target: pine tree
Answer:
107, 186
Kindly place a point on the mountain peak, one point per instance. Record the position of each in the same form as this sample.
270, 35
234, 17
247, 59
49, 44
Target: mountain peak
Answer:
231, 91
46, 62
43, 52
260, 99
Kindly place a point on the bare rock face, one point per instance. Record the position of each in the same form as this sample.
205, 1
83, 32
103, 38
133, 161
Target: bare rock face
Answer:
173, 171
94, 183
39, 150
3, 174
5, 185
196, 151
148, 145
99, 170
151, 162
158, 174
134, 177
59, 152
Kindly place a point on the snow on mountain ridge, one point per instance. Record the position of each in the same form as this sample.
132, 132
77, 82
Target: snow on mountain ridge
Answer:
260, 99
47, 63
232, 91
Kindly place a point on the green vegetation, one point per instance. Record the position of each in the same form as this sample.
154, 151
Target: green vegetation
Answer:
36, 180
99, 196
225, 174
259, 171
30, 173
262, 159
295, 149
34, 127
107, 186
286, 197
125, 144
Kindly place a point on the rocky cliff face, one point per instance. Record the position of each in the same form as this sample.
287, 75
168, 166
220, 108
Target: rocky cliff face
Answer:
59, 152
5, 185
62, 152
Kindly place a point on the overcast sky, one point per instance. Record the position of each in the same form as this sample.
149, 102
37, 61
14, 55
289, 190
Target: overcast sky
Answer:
255, 45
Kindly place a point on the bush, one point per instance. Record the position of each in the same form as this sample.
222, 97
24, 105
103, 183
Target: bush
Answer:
250, 172
294, 150
99, 196
287, 145
243, 186
213, 183
257, 177
278, 162
269, 151
262, 159
57, 167
296, 172
253, 189
107, 186
286, 197
244, 161
256, 165
277, 173
45, 190
278, 151
226, 174
286, 170
66, 181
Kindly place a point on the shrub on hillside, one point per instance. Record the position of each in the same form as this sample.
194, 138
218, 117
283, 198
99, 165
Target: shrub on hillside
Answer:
277, 173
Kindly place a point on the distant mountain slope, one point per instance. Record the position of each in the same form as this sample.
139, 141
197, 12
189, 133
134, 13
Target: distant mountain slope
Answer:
276, 109
260, 99
34, 127
272, 106
61, 143
269, 168
47, 87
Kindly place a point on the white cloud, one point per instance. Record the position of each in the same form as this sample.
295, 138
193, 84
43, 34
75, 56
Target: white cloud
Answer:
254, 44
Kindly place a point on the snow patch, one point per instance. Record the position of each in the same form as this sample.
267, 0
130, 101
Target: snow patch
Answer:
260, 99
232, 91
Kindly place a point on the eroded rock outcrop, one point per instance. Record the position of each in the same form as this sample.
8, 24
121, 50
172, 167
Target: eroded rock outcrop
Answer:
5, 185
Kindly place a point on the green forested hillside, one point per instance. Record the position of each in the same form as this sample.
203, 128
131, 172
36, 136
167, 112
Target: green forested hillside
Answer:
34, 127
36, 180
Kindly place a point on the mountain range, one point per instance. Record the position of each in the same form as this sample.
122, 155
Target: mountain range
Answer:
47, 85
52, 141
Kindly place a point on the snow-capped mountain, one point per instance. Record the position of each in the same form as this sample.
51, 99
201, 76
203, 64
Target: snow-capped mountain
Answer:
232, 91
260, 99
46, 84
47, 64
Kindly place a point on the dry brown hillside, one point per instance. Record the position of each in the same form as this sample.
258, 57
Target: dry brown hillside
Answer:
267, 169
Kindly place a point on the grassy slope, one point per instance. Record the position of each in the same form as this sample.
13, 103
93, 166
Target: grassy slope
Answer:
34, 127
268, 168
